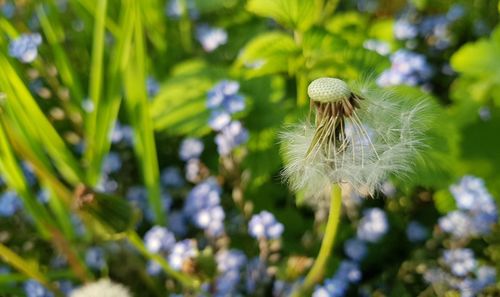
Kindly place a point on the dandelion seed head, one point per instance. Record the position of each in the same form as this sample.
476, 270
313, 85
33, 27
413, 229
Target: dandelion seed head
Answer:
103, 288
327, 89
358, 139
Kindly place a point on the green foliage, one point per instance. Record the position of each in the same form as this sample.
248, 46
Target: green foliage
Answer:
179, 107
479, 66
294, 14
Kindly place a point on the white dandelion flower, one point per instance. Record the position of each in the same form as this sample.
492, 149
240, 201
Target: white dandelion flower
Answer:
360, 136
101, 288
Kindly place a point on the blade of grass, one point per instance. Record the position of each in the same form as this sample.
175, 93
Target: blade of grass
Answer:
22, 103
107, 110
52, 29
89, 6
15, 180
27, 268
138, 111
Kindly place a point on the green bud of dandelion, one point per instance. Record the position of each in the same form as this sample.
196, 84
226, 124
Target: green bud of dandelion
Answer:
360, 136
327, 89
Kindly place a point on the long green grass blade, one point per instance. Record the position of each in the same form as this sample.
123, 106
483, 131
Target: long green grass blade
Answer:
25, 267
24, 105
138, 111
54, 33
107, 110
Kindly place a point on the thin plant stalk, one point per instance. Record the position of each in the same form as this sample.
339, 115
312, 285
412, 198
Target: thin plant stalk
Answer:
316, 273
186, 280
27, 268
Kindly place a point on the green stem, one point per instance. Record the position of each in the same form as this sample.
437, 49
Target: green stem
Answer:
185, 27
27, 268
301, 89
182, 278
316, 273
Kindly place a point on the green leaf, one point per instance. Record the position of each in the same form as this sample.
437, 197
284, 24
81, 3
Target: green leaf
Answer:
268, 53
444, 201
294, 14
479, 67
179, 108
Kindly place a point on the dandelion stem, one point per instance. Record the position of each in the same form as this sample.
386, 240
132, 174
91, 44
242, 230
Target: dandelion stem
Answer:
316, 272
186, 280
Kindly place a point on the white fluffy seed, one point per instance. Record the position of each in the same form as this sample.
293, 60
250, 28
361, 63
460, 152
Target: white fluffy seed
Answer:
328, 89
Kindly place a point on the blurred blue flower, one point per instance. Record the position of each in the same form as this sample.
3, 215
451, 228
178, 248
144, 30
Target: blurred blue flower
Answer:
33, 288
112, 163
152, 87
153, 268
230, 137
355, 249
224, 96
29, 173
25, 47
65, 287
171, 177
177, 223
181, 252
229, 264
202, 206
9, 203
94, 258
193, 168
333, 287
348, 271
255, 274
460, 261
191, 148
159, 240
378, 46
43, 196
407, 68
373, 225
211, 38
174, 9
219, 119
416, 232
122, 133
264, 225
403, 29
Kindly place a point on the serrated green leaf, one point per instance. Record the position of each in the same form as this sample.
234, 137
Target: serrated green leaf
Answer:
268, 53
294, 14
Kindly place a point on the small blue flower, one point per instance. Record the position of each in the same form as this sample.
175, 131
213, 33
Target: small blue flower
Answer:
33, 288
177, 223
122, 133
174, 9
228, 260
211, 38
9, 204
224, 96
407, 68
171, 177
29, 173
264, 225
202, 206
355, 249
230, 137
112, 163
152, 87
373, 225
348, 271
460, 261
333, 287
25, 47
181, 252
219, 119
94, 258
43, 196
159, 239
153, 268
191, 148
403, 29
193, 168
416, 232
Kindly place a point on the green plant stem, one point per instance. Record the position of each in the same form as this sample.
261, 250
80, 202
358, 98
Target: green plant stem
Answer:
186, 280
301, 89
185, 27
316, 272
27, 268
